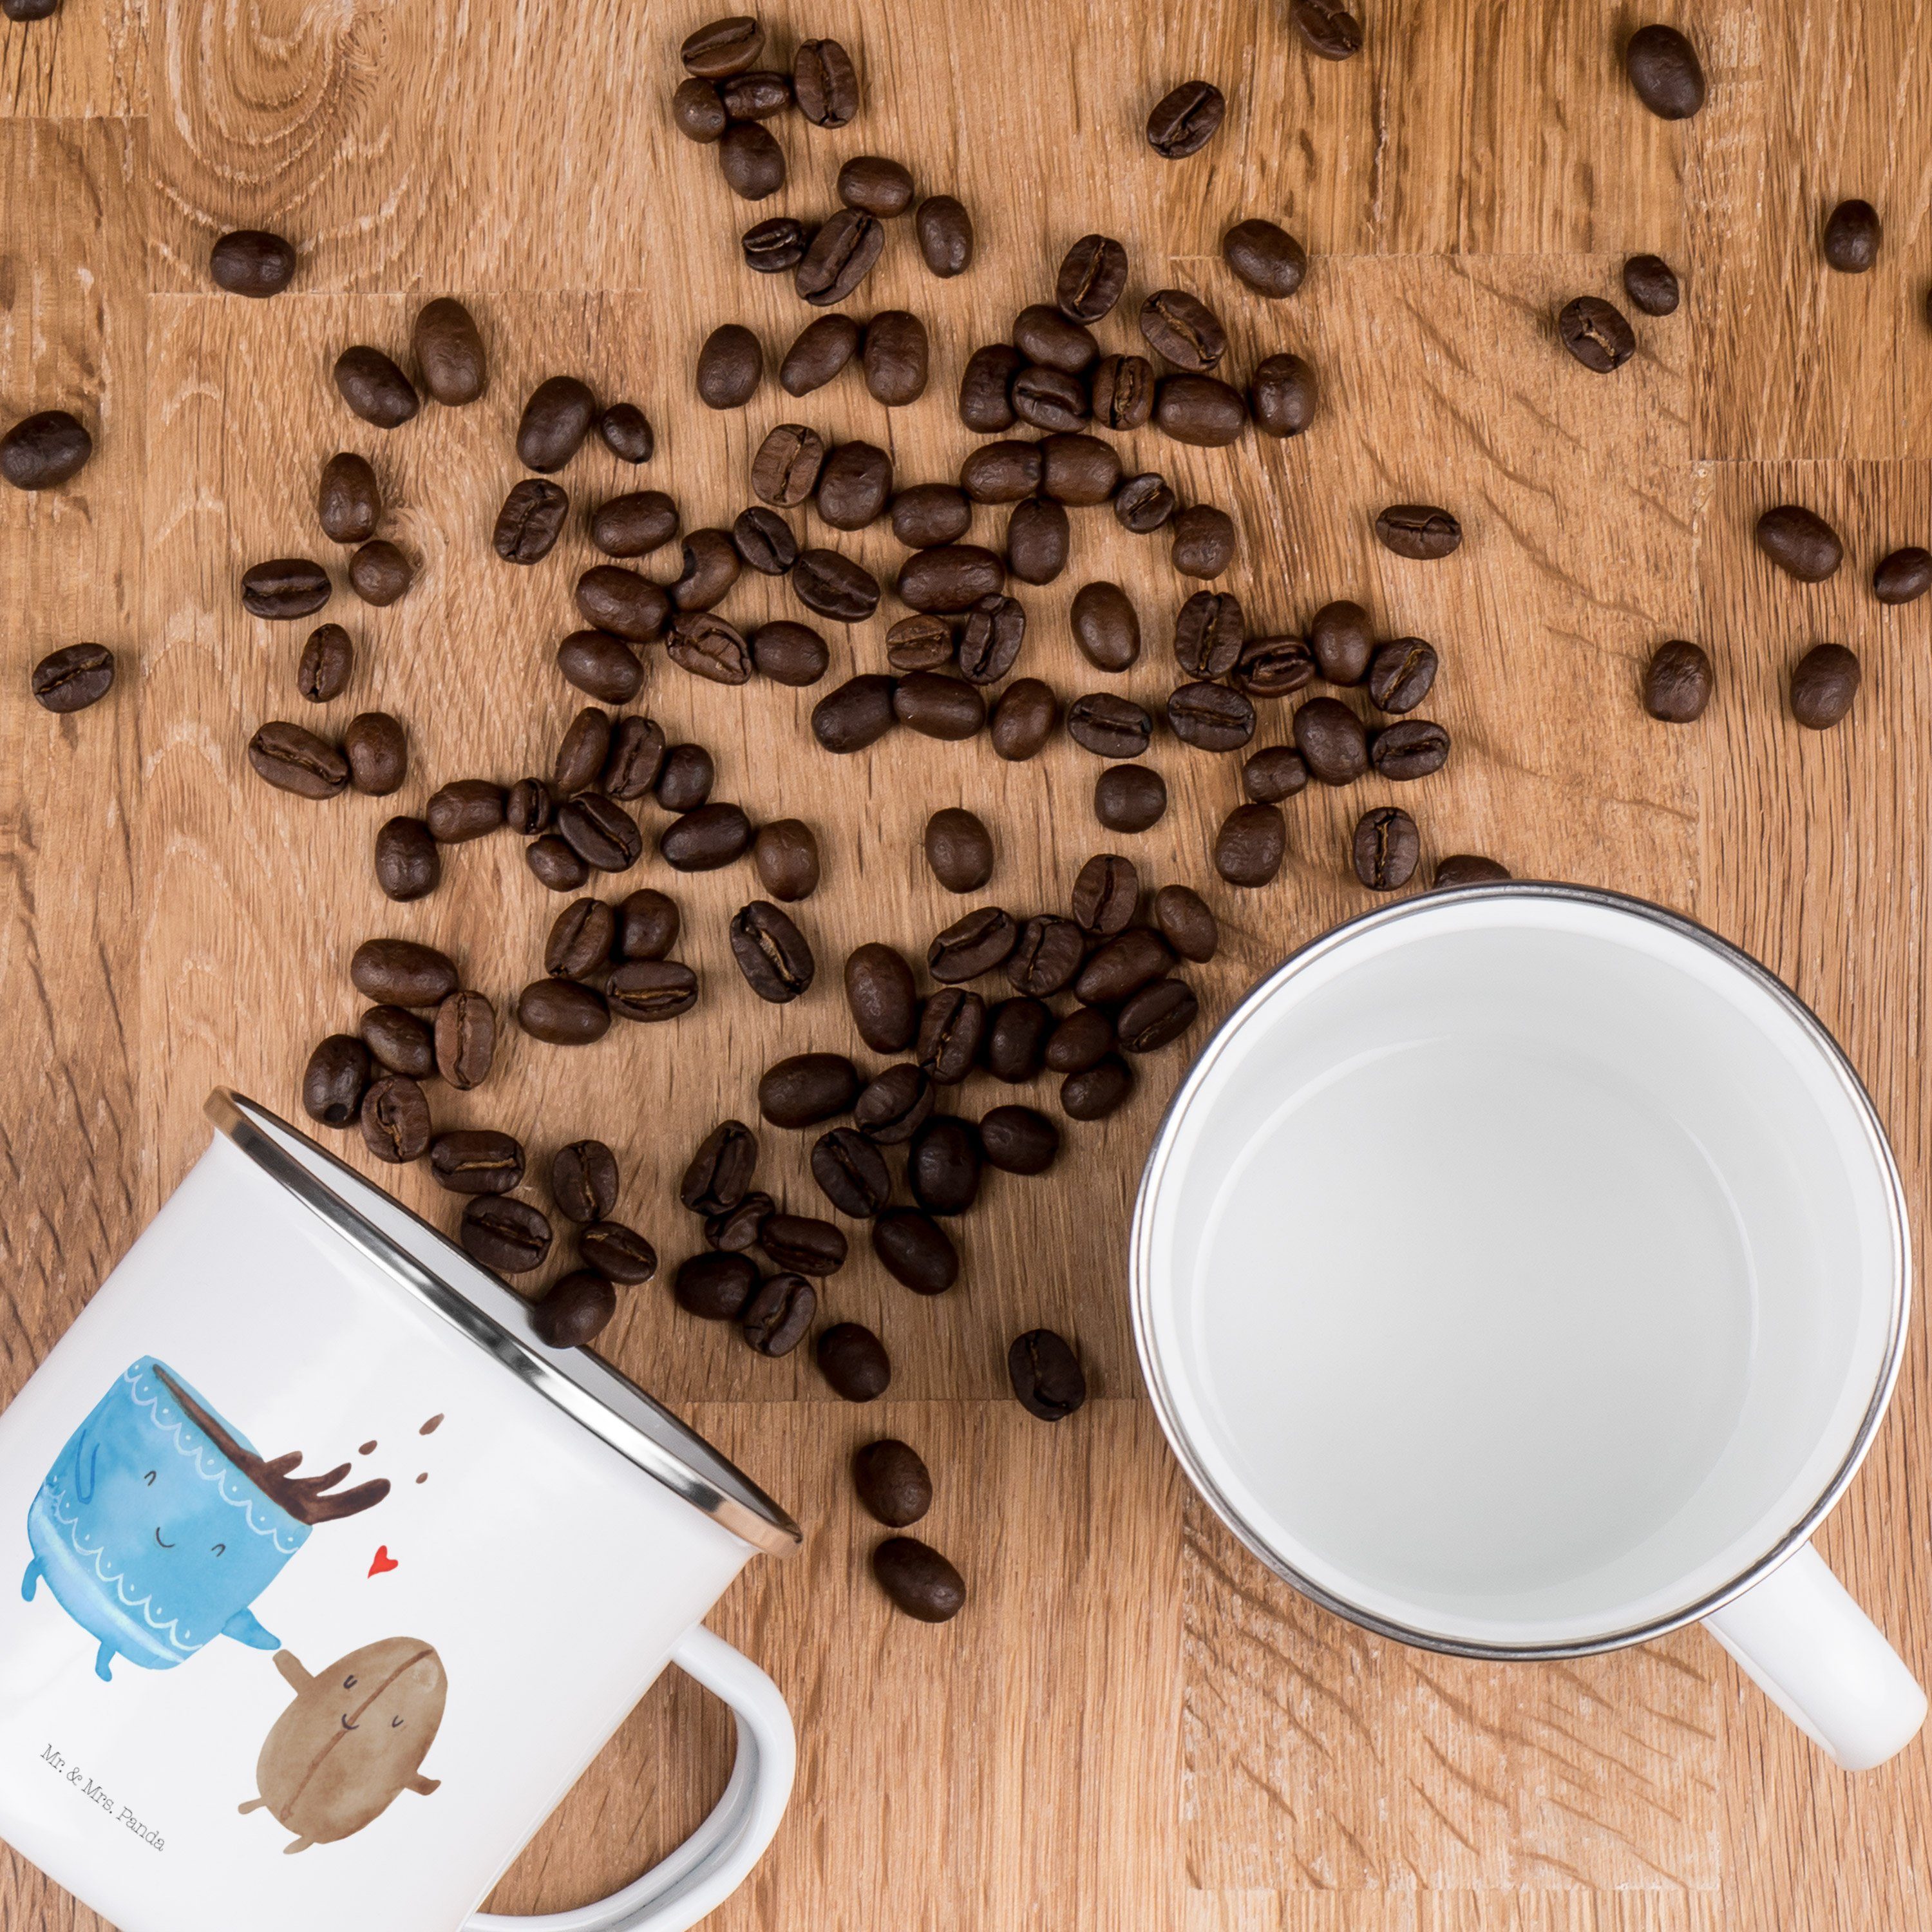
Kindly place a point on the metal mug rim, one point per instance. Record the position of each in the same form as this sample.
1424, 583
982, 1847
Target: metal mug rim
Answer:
1191, 1465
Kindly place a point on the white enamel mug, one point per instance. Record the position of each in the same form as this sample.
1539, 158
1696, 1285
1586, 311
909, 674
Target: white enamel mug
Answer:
332, 1578
1521, 1272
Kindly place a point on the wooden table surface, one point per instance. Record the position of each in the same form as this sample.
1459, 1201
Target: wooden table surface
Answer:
1132, 1723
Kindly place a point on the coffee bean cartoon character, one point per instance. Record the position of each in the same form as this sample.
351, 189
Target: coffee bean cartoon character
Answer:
355, 1738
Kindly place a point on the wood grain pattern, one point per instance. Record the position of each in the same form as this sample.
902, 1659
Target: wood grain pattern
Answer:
1133, 1722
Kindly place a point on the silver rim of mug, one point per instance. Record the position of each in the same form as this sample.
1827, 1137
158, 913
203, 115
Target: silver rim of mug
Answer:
1224, 1039
587, 1388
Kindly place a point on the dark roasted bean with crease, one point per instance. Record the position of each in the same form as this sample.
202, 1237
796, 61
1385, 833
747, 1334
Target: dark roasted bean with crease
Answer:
555, 421
1272, 666
991, 638
466, 1040
378, 752
1121, 391
626, 433
649, 990
1333, 740
1202, 410
715, 1286
333, 1081
775, 246
1266, 258
1419, 531
574, 1310
702, 643
1800, 542
1823, 683
854, 1360
951, 1026
600, 666
855, 484
1207, 633
1106, 626
785, 470
736, 1229
395, 1119
878, 186
617, 1252
1400, 674
1015, 1039
581, 754
752, 164
1203, 541
824, 83
835, 587
600, 831
1093, 273
1411, 749
1050, 399
851, 1173
1019, 1140
884, 1001
1099, 1090
327, 659
703, 840
1469, 869
1595, 332
895, 359
72, 679
789, 653
633, 524
1108, 726
945, 231
771, 952
1281, 395
1250, 845
1160, 1011
1106, 892
476, 1160
1183, 121
1182, 329
1045, 1372
1327, 27
1385, 848
529, 522
1082, 1039
937, 707
697, 109
1187, 923
711, 567
563, 1012
841, 256
375, 389
554, 865
1652, 284
779, 1314
408, 866
463, 809
1210, 717
855, 714
731, 364
284, 587
802, 1244
1048, 954
917, 1251
973, 945
581, 937
1663, 69
399, 1041
942, 1165
1130, 798
348, 503
1038, 540
1903, 576
583, 1181
622, 602
1124, 964
1277, 772
722, 46
721, 1171
893, 1483
805, 1088
1023, 718
510, 1236
647, 925
755, 96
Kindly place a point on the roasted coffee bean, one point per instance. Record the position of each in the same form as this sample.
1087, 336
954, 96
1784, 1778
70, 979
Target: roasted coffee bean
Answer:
600, 666
1187, 923
529, 524
395, 1119
806, 1088
379, 573
1597, 334
1418, 531
771, 952
755, 96
991, 638
945, 231
328, 660
554, 865
1210, 717
1272, 666
973, 945
1468, 869
937, 707
1823, 683
631, 525
574, 1310
1082, 1039
618, 1253
752, 164
921, 644
917, 1251
1663, 68
1412, 749
896, 357
1048, 954
1108, 726
771, 247
1250, 845
293, 760
1106, 626
1281, 395
1903, 577
942, 1165
720, 1172
1130, 798
408, 866
715, 1286
841, 256
1273, 774
1342, 642
1044, 1370
1003, 471
1093, 273
851, 1172
44, 450
721, 47
581, 753
1182, 330
919, 1580
581, 938
647, 926
824, 83
1333, 740
465, 809
1204, 542
789, 653
511, 1236
477, 1160
703, 840
1207, 633
1023, 719
835, 587
854, 485
1160, 1011
1401, 673
1677, 683
583, 1181
1106, 892
892, 1482
1099, 1090
375, 389
697, 110
779, 1314
786, 856
985, 386
246, 261
880, 990
1651, 284
622, 602
626, 433
378, 752
952, 1025
800, 1244
555, 421
1120, 394
1046, 337
563, 1013
399, 1041
286, 587
856, 715
73, 678
1266, 258
854, 1360
1050, 399
1183, 121
1038, 540
711, 566
600, 831
737, 1228
1016, 1040
650, 990
1019, 1140
1128, 962
731, 364
333, 1081
1202, 410
929, 514
348, 502
876, 185
1800, 542
702, 643
449, 353
1852, 233
1385, 848
785, 470
466, 1040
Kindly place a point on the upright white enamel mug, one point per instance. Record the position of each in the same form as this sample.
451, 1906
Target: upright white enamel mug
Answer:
1521, 1272
333, 1578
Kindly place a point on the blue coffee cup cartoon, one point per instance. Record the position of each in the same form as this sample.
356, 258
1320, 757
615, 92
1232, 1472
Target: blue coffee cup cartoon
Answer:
159, 1525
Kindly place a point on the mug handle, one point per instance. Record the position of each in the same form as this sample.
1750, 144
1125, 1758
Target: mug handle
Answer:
1822, 1662
716, 1859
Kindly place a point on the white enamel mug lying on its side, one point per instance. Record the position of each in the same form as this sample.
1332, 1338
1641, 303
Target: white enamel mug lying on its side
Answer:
332, 1578
1521, 1272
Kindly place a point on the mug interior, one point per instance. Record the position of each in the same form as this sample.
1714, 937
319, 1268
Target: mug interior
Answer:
1519, 1268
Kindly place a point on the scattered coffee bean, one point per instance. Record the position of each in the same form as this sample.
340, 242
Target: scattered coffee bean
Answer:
647, 926
477, 1160
991, 638
1281, 395
1130, 798
1093, 275
1596, 333
1200, 410
1677, 682
1418, 531
1332, 739
852, 1172
328, 660
408, 866
1159, 1012
711, 566
1327, 27
1183, 121
1663, 69
774, 246
626, 433
800, 1244
880, 990
1187, 923
972, 946
1046, 956
1272, 666
806, 1088
952, 1026
1045, 336
554, 865
581, 754
348, 501
943, 1166
379, 573
530, 521
789, 653
1651, 284
44, 450
1129, 961
946, 708
1050, 399
755, 96
945, 231
736, 1230
74, 677
928, 515
825, 83
395, 1120
1386, 848
600, 666
251, 261
771, 952
574, 1310
583, 1181
1852, 233
375, 389
752, 164
1120, 393
984, 402
465, 1040
1823, 683
1038, 540
720, 1172
401, 973
1204, 542
875, 185
1003, 471
581, 939
563, 1012
779, 1314
715, 1286
684, 779
702, 643
1106, 893
1277, 772
631, 525
1082, 1039
855, 714
704, 840
1903, 577
650, 990
1045, 1374
785, 854
510, 1236
855, 484
622, 602
333, 1081
286, 587
697, 110
893, 1483
841, 256
854, 1360
1210, 717
1023, 719
1106, 626
722, 46
919, 1580
449, 353
555, 421
896, 357
730, 366
1250, 845
600, 831
1014, 1043
1266, 258
1098, 1091
1207, 633
291, 759
1078, 471
1467, 868
1342, 642
1182, 330
835, 587
1800, 542
1108, 726
1400, 674
618, 1253
399, 1041
916, 1251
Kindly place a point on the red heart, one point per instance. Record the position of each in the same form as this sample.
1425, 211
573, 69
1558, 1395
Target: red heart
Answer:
382, 1561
